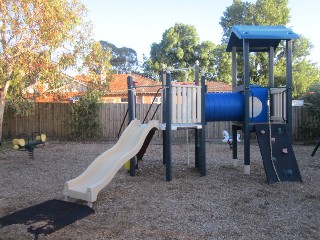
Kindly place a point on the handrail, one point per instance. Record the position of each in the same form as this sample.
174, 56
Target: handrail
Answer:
154, 98
283, 95
123, 122
155, 111
251, 105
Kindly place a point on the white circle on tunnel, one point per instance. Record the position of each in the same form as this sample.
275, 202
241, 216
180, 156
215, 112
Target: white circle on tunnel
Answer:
257, 107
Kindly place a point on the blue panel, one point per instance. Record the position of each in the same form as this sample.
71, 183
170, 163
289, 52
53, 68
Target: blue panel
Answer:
262, 94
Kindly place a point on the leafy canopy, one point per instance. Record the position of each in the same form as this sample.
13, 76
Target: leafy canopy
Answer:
123, 59
39, 39
269, 12
180, 47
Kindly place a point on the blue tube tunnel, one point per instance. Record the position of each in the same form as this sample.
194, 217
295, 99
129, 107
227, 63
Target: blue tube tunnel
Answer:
230, 106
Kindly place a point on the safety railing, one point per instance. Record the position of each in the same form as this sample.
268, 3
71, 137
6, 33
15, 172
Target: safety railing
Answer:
278, 104
186, 103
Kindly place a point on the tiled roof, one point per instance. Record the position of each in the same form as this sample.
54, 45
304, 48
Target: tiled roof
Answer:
118, 84
213, 86
218, 87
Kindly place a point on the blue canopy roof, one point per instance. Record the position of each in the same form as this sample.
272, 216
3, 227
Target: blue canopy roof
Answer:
260, 37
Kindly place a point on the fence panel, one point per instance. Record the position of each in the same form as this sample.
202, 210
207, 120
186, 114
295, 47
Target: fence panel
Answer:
53, 118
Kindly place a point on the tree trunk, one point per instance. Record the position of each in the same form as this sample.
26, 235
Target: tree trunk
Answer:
3, 95
2, 105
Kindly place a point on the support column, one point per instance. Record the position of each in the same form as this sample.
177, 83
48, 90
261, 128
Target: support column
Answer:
196, 131
168, 159
163, 113
202, 163
271, 78
246, 110
289, 86
234, 67
131, 108
234, 145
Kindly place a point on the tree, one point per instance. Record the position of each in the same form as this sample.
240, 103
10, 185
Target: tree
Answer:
269, 12
222, 63
98, 68
239, 13
39, 39
180, 48
123, 59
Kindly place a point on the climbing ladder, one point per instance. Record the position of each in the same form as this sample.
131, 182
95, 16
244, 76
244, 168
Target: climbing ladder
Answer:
278, 157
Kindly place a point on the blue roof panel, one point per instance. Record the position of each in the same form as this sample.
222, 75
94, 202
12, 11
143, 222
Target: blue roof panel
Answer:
260, 37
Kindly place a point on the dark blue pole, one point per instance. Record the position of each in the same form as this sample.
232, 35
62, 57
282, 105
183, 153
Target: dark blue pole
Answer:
168, 110
131, 108
203, 129
271, 77
163, 105
289, 86
246, 110
196, 131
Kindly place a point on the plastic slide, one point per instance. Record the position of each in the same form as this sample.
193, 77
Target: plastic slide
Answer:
102, 170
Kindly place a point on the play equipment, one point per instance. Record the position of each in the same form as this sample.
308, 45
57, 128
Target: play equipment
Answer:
101, 171
246, 39
315, 149
29, 143
190, 107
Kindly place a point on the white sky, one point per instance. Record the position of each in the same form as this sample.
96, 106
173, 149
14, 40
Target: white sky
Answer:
137, 24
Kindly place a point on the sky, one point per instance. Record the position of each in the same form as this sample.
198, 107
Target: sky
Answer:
137, 24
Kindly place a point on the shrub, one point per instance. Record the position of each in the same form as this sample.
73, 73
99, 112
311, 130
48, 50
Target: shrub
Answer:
312, 103
85, 123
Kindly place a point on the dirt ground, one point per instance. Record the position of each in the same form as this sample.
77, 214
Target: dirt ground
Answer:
225, 204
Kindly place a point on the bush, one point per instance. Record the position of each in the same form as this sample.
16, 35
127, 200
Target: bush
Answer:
312, 103
85, 123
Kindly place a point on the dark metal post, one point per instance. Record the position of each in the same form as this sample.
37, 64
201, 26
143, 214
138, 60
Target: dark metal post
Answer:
167, 142
234, 145
246, 110
163, 106
131, 108
289, 86
271, 77
196, 131
203, 130
234, 67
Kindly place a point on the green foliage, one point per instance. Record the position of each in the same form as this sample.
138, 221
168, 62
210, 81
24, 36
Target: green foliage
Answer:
222, 63
263, 12
20, 105
269, 12
180, 48
85, 122
312, 103
123, 59
239, 13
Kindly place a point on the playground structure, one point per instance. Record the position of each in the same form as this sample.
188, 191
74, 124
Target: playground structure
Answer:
29, 143
315, 149
190, 107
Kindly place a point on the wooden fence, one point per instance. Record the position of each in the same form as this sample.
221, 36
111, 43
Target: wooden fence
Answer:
53, 119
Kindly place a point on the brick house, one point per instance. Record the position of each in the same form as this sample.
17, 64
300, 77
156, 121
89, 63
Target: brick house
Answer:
74, 87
